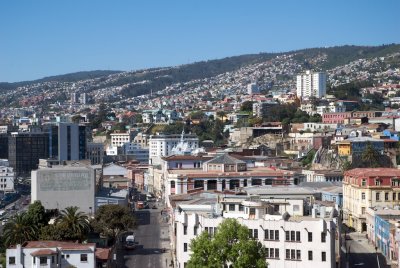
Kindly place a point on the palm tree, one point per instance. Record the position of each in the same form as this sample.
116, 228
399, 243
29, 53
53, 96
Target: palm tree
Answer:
19, 230
370, 156
76, 222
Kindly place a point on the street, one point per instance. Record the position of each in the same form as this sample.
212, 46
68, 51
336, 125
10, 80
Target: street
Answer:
361, 254
151, 237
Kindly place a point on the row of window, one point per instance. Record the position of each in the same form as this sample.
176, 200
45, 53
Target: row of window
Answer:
43, 260
395, 196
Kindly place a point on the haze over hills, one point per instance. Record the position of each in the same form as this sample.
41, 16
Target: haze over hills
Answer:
118, 85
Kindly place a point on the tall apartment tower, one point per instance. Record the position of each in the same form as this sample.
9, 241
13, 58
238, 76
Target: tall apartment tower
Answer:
74, 97
311, 84
67, 141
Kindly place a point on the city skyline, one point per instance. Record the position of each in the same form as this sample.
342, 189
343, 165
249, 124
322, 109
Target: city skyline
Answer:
47, 38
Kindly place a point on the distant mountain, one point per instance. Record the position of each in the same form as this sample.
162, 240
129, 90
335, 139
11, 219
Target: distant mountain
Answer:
141, 82
71, 77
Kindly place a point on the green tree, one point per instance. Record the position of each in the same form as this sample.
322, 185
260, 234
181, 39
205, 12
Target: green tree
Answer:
230, 244
75, 221
19, 229
110, 220
370, 156
37, 215
247, 106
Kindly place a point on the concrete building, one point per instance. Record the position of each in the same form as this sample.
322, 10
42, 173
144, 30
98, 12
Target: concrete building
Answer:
67, 141
162, 145
311, 84
252, 88
59, 187
139, 153
368, 187
95, 152
119, 139
51, 254
7, 177
300, 241
261, 109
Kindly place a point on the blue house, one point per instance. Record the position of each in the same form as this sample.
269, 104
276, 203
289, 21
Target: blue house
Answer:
393, 135
382, 235
335, 194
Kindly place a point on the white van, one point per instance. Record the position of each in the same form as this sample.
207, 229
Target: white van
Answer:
130, 242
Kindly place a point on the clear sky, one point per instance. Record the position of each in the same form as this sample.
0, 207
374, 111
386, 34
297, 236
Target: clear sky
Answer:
48, 37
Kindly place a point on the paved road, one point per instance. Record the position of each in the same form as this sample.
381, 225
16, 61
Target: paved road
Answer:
361, 254
151, 236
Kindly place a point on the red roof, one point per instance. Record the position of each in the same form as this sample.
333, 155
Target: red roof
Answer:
373, 172
61, 244
43, 252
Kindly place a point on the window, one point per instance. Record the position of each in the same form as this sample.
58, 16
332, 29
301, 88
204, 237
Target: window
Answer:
377, 182
287, 238
298, 236
394, 196
287, 254
377, 196
310, 255
266, 234
43, 260
323, 256
255, 233
271, 234
362, 210
323, 237
195, 230
298, 254
292, 235
52, 259
276, 234
83, 257
252, 211
184, 247
363, 182
241, 208
11, 260
277, 253
231, 207
309, 236
386, 196
185, 230
362, 196
292, 253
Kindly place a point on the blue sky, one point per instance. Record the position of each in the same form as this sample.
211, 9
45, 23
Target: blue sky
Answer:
47, 37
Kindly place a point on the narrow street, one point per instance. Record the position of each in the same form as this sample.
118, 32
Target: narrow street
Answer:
151, 237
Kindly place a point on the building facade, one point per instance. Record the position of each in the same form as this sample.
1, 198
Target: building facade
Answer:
368, 187
311, 84
25, 150
7, 177
289, 242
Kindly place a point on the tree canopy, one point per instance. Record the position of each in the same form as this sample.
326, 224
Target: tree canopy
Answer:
110, 220
231, 244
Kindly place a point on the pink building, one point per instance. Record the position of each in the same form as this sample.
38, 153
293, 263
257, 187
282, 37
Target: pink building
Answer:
335, 118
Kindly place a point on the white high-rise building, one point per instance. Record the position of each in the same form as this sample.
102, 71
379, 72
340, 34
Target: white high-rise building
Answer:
163, 145
311, 84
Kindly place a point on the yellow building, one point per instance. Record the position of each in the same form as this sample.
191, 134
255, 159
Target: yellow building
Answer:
344, 148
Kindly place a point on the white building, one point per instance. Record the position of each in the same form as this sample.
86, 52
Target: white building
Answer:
252, 88
311, 84
7, 177
298, 241
59, 187
162, 145
51, 254
119, 139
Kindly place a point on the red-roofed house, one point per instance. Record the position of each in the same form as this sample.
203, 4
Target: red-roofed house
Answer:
52, 254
